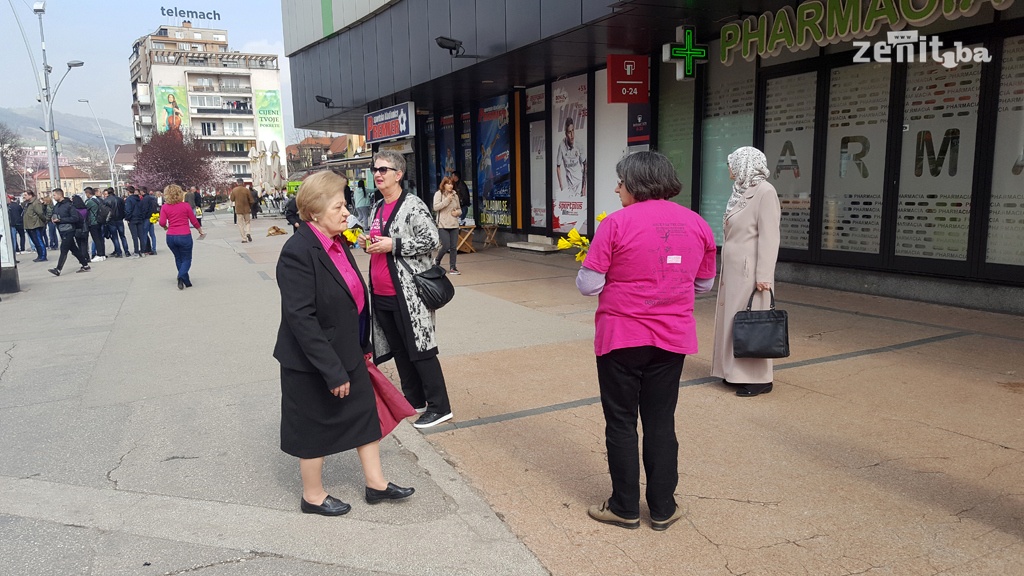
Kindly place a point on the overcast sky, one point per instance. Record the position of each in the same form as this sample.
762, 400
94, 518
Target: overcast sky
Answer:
102, 33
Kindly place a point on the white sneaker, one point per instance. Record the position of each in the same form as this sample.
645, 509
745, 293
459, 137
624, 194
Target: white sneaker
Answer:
98, 258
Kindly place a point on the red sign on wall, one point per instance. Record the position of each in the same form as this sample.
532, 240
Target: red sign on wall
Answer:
628, 78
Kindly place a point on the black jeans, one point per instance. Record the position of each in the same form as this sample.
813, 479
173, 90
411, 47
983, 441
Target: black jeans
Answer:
68, 243
449, 243
96, 231
139, 237
19, 234
644, 378
422, 380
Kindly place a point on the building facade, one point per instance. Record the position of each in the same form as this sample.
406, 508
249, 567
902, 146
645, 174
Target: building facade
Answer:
894, 129
186, 78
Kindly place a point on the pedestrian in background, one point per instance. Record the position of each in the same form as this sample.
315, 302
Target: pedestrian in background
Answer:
242, 198
195, 200
16, 215
645, 264
35, 224
136, 217
363, 202
749, 253
115, 223
96, 227
150, 208
175, 217
327, 400
69, 221
51, 228
401, 240
446, 204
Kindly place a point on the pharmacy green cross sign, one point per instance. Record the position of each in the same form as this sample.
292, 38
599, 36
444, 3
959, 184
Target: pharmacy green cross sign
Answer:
685, 53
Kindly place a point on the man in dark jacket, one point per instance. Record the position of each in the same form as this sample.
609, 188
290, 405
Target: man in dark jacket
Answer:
16, 214
133, 213
291, 213
150, 206
96, 227
463, 191
115, 224
68, 220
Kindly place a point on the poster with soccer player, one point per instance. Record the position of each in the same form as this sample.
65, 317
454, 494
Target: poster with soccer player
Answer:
569, 114
446, 145
492, 162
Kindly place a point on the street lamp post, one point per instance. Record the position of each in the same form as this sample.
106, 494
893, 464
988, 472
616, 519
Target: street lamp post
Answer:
39, 8
106, 147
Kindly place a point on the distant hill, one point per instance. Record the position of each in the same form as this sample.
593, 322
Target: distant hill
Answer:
75, 131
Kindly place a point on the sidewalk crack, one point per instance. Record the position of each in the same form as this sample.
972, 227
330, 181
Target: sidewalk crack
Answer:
9, 361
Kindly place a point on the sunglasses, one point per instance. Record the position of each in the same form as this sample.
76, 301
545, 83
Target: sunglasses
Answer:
383, 170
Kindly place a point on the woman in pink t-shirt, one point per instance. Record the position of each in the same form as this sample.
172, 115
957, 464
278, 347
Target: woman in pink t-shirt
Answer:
175, 217
645, 264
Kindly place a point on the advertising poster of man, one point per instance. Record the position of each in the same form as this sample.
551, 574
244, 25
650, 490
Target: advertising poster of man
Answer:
447, 145
172, 108
492, 178
570, 114
466, 138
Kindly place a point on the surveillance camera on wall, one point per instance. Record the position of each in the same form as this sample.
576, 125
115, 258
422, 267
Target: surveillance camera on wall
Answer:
450, 44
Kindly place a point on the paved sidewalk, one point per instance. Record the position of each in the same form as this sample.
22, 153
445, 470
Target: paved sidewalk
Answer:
138, 424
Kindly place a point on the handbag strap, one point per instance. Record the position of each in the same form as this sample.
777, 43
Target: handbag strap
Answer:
750, 302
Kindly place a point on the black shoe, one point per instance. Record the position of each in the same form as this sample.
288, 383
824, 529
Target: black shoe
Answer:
249, 236
392, 492
85, 268
118, 255
181, 284
330, 507
54, 271
39, 260
430, 418
754, 390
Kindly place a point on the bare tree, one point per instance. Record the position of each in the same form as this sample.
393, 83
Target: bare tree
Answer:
12, 154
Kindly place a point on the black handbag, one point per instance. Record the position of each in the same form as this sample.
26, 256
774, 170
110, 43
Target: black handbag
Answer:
433, 285
760, 333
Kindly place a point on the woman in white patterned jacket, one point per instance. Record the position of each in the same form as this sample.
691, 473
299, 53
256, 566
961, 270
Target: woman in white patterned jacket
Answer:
401, 239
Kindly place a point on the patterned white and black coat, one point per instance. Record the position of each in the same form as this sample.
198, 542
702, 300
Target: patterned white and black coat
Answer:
415, 238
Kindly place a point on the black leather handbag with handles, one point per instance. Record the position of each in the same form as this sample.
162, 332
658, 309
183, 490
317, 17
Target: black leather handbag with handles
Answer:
760, 333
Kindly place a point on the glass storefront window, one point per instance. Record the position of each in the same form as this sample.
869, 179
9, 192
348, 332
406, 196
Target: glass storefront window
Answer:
789, 147
1006, 215
937, 160
858, 112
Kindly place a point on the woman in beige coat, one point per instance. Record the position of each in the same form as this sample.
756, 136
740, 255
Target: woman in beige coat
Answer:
446, 204
749, 253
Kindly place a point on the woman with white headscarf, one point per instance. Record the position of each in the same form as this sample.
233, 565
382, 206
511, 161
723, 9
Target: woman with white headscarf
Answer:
749, 253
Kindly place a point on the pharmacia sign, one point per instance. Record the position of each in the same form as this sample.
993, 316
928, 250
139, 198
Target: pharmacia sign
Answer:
824, 22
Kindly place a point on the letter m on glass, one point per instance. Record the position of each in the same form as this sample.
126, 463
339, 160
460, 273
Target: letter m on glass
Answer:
925, 147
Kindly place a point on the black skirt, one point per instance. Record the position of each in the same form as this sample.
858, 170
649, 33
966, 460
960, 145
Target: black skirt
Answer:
315, 423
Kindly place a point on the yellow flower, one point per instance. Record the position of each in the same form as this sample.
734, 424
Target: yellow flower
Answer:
586, 243
351, 235
574, 237
154, 218
601, 216
581, 255
563, 244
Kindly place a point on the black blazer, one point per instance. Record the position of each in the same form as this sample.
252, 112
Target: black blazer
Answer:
321, 328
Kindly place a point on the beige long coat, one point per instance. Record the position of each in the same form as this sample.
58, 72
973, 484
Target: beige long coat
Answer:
749, 254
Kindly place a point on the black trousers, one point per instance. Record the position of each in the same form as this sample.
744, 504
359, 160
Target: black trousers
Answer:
645, 378
422, 380
68, 243
140, 239
96, 231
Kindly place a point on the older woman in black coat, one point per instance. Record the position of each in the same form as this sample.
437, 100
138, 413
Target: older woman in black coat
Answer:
327, 400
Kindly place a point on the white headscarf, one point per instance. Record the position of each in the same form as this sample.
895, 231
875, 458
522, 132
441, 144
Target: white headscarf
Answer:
750, 167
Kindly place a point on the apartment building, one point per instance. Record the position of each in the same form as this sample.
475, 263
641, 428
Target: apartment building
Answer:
186, 78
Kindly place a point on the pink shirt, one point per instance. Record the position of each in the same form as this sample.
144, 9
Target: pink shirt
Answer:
176, 217
380, 276
650, 253
340, 259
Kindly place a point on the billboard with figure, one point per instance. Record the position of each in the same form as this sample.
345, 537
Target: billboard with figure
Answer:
171, 108
493, 184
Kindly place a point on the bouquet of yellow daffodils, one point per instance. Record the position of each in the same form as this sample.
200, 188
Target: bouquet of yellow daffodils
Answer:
154, 217
574, 239
352, 235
